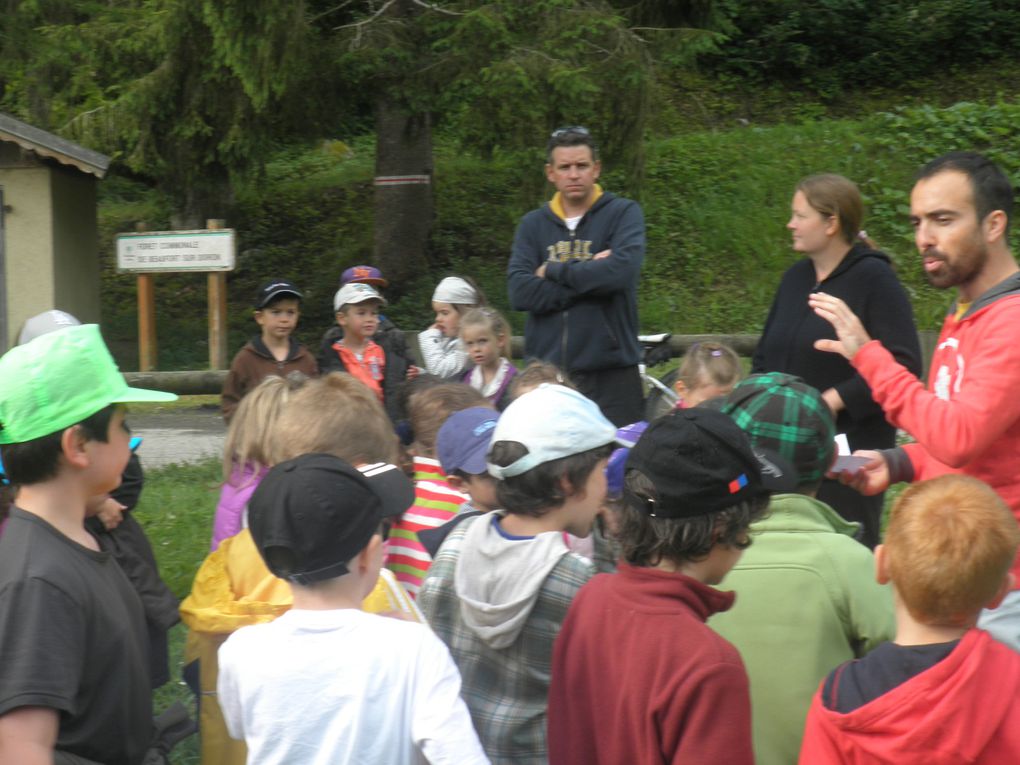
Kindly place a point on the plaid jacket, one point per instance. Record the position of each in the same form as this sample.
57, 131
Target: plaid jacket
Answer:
505, 690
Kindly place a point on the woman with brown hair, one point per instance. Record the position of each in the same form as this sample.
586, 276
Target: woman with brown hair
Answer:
825, 224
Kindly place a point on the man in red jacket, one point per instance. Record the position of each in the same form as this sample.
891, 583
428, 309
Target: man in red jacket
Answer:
968, 419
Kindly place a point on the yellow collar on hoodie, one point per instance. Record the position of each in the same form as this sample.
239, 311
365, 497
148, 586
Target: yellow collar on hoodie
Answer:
556, 203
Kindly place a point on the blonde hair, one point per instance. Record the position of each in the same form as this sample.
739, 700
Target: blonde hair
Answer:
710, 362
249, 440
536, 373
949, 544
492, 320
337, 414
429, 409
834, 196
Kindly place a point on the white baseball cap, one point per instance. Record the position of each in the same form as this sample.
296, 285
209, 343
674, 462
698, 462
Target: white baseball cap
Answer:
552, 422
356, 292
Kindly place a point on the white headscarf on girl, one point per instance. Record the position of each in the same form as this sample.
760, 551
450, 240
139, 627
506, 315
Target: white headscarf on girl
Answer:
455, 290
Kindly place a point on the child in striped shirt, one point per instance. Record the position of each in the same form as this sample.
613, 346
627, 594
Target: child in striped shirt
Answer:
435, 500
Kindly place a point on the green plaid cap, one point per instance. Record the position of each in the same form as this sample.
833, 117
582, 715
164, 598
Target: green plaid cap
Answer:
783, 413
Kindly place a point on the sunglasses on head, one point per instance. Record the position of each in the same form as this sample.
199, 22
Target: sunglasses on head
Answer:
569, 130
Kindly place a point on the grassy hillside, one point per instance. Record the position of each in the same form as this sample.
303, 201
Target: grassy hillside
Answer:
716, 203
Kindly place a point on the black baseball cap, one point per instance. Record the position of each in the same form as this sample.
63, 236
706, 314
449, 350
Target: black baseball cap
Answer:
273, 289
311, 515
700, 462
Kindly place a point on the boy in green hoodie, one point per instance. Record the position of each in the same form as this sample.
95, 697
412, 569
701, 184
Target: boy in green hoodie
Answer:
806, 595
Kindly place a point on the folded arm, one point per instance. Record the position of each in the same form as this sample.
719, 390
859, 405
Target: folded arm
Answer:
617, 271
529, 292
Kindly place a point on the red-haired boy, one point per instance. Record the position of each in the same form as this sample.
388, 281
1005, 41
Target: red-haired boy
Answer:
943, 691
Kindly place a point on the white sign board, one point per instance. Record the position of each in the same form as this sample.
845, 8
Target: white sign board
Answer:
169, 251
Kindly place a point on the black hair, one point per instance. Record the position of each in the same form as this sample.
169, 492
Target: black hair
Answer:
539, 490
647, 541
6, 500
38, 460
571, 136
466, 476
989, 185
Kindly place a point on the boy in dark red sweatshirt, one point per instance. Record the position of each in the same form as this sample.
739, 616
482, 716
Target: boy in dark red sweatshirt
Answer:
637, 675
943, 691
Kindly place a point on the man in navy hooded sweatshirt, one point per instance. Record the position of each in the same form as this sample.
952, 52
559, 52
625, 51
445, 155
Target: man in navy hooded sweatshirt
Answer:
574, 269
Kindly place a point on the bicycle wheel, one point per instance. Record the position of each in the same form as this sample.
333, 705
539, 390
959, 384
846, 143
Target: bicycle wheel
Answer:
657, 403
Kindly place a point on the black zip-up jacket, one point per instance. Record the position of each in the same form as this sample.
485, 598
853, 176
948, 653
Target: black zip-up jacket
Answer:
582, 316
394, 374
867, 283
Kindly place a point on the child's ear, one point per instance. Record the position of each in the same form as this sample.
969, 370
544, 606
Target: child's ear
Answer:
882, 565
1004, 589
457, 482
680, 387
566, 486
72, 444
363, 562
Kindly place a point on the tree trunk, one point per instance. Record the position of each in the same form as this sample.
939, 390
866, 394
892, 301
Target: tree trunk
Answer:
212, 196
403, 191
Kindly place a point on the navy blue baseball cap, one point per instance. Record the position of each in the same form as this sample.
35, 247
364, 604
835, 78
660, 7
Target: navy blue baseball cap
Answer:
463, 441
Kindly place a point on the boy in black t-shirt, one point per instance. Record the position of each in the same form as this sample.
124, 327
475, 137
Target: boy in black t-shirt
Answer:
73, 668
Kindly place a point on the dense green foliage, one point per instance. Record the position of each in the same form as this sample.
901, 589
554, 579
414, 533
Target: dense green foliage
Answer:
715, 202
265, 110
834, 45
186, 96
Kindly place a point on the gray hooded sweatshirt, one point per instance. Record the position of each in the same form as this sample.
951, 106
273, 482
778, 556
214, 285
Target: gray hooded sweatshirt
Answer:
498, 579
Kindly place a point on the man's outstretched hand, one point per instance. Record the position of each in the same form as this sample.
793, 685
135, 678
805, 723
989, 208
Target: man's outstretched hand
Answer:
849, 330
870, 478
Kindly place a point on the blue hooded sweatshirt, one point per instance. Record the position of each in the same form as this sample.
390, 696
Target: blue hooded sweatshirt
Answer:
583, 315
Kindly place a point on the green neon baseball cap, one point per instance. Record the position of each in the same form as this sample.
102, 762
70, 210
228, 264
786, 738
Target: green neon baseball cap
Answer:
58, 380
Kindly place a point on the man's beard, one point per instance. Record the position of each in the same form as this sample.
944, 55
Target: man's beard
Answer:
963, 269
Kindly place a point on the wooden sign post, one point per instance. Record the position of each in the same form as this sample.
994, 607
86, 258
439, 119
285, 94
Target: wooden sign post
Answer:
217, 310
148, 253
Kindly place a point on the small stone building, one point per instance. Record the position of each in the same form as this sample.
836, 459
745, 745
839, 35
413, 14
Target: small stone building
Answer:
48, 230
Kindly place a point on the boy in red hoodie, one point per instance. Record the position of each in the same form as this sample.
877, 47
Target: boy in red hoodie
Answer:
943, 691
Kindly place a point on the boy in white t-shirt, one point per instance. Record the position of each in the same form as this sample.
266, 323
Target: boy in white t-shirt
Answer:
327, 682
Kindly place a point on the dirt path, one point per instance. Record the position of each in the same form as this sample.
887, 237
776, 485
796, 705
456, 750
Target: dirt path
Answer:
188, 435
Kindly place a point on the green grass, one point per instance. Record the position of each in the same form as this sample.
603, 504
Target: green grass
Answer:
176, 511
